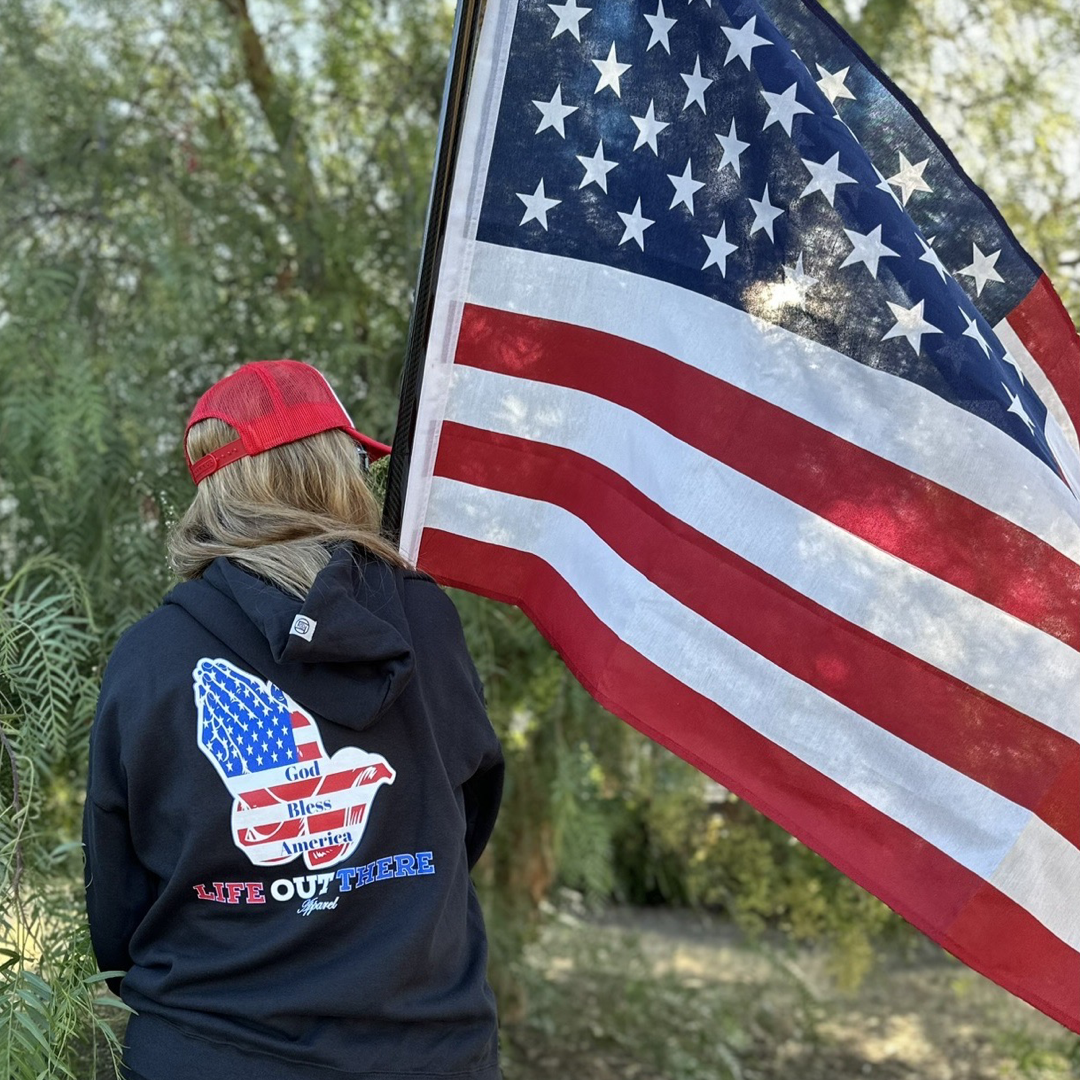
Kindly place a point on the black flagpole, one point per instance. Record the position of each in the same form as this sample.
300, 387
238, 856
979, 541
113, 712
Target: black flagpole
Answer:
466, 26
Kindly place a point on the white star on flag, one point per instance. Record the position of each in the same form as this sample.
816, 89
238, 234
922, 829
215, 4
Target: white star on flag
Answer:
973, 331
832, 85
696, 85
596, 168
981, 268
1010, 359
887, 187
765, 213
825, 176
719, 250
685, 186
570, 16
867, 249
798, 277
733, 149
783, 108
1017, 406
661, 26
648, 128
554, 112
537, 205
909, 178
610, 72
743, 41
910, 324
636, 224
930, 256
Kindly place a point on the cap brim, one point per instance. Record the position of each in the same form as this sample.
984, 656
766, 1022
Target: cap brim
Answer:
374, 449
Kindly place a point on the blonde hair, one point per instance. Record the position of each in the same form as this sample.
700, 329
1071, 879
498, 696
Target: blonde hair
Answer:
278, 512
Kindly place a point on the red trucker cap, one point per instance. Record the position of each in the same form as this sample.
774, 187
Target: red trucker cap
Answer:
270, 403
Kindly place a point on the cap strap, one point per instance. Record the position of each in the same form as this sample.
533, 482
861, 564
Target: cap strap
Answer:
210, 463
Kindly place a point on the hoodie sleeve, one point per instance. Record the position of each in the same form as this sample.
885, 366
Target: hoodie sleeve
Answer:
119, 890
451, 676
483, 790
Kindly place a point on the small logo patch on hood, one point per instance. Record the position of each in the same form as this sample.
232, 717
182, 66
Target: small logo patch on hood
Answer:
303, 627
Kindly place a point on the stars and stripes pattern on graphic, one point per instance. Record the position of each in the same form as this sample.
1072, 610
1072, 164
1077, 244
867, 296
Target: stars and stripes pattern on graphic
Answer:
749, 398
248, 727
289, 797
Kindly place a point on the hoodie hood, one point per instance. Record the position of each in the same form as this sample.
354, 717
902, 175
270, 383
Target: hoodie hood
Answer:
345, 652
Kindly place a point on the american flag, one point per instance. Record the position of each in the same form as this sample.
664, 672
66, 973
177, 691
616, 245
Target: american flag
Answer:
289, 797
749, 398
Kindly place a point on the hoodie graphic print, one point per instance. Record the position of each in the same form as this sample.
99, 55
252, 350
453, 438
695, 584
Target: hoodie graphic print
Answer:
258, 761
289, 797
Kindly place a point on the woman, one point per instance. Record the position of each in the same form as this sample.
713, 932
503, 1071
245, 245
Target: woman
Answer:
292, 773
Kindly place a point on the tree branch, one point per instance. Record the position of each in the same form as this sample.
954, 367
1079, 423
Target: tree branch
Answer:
279, 110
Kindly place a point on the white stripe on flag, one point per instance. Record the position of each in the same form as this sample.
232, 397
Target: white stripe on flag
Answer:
455, 264
889, 416
277, 813
916, 611
1032, 868
972, 824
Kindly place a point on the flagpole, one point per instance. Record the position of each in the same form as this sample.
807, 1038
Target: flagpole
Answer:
466, 25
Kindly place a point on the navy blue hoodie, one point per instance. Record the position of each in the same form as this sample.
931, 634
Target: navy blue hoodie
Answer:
285, 800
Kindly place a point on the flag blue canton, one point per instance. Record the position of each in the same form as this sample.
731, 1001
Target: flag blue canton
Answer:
243, 724
741, 151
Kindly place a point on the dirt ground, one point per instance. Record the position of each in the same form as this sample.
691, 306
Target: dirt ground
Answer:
661, 994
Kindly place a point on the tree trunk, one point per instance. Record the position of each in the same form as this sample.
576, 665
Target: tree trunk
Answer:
280, 111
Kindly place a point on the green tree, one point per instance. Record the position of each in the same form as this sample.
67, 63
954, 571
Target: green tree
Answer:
179, 190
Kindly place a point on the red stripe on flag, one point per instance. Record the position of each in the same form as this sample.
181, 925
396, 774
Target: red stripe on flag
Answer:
307, 751
999, 747
898, 511
258, 797
1046, 329
337, 819
970, 918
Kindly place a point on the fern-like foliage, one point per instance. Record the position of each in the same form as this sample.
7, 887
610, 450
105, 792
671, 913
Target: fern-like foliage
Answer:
50, 1014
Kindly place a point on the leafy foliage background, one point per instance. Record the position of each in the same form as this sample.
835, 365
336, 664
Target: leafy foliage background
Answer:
186, 186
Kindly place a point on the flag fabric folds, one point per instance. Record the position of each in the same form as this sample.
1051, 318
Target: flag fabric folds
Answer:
743, 391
